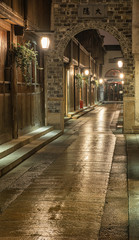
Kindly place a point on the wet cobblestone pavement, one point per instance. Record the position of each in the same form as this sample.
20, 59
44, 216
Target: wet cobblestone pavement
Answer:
67, 190
114, 223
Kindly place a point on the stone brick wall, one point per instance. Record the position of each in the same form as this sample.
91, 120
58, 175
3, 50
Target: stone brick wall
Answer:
66, 24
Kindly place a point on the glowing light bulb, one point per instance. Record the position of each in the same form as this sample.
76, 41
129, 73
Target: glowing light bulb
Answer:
86, 72
45, 42
120, 64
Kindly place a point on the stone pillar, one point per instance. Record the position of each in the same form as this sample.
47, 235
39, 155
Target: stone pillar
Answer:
136, 89
54, 87
56, 119
128, 114
135, 50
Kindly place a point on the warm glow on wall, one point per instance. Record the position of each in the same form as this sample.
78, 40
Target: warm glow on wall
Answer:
72, 72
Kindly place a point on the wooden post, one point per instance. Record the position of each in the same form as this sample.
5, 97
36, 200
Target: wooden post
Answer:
14, 100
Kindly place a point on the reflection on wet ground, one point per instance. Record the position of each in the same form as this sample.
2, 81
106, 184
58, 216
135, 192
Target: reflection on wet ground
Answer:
66, 200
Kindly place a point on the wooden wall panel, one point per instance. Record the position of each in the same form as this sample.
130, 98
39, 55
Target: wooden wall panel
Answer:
28, 99
8, 2
5, 95
23, 113
20, 116
32, 11
92, 95
30, 105
71, 93
1, 113
75, 51
84, 59
33, 109
88, 95
42, 12
18, 6
77, 98
84, 98
3, 52
44, 21
30, 111
5, 118
8, 112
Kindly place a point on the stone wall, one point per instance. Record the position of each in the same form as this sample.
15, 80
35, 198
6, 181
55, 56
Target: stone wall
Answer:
66, 23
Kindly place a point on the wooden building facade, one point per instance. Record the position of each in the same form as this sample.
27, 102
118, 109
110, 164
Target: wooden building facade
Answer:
79, 59
21, 103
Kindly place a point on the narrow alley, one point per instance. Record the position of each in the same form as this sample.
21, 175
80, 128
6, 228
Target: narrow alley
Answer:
74, 188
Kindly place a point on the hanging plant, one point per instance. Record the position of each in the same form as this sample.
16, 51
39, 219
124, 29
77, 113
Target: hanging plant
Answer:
95, 83
24, 56
79, 80
86, 79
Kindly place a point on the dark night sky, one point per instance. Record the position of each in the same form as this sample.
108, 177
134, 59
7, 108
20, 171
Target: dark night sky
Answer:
108, 39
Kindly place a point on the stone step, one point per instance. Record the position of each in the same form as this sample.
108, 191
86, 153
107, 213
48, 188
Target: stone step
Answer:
135, 129
81, 111
12, 160
13, 145
72, 114
78, 115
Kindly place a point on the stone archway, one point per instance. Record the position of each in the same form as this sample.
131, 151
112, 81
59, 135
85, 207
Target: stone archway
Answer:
55, 67
124, 42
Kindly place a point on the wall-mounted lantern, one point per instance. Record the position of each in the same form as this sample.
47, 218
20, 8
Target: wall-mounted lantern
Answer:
45, 42
86, 72
100, 81
120, 64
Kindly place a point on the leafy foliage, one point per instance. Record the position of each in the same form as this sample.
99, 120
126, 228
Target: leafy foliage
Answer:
86, 79
24, 56
95, 83
79, 80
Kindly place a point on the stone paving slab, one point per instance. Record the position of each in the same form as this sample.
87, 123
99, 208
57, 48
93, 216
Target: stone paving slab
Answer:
114, 224
14, 144
133, 184
66, 199
16, 157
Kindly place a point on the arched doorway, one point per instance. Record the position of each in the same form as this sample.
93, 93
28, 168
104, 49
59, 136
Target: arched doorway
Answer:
113, 86
83, 60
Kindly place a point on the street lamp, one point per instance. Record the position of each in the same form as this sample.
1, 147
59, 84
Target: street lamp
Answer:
122, 82
120, 64
121, 75
86, 72
100, 81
